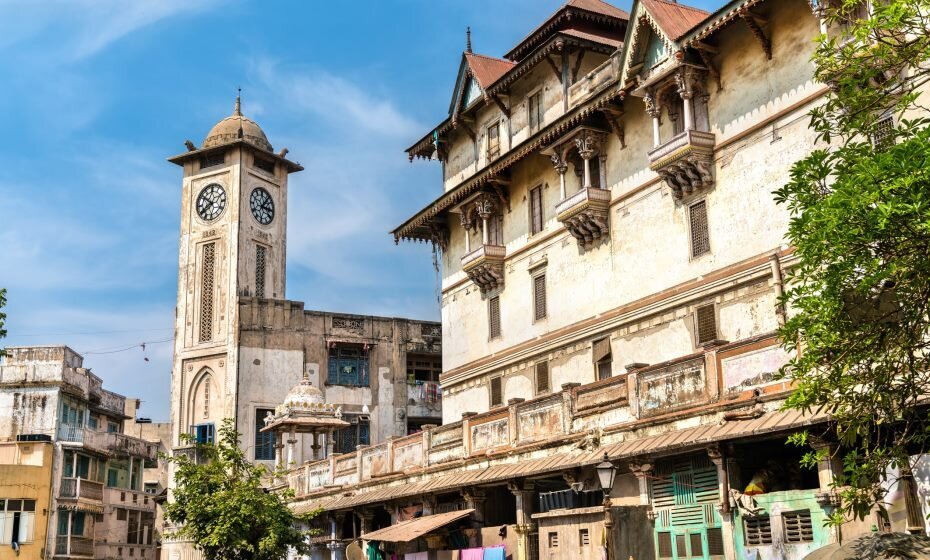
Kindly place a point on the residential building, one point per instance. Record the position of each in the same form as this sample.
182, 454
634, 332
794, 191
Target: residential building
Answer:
75, 479
240, 346
612, 262
154, 477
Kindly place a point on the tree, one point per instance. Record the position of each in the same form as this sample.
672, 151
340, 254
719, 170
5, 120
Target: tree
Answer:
859, 298
2, 317
219, 503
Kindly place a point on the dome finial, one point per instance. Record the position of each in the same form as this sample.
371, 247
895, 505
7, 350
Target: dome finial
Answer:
238, 110
468, 39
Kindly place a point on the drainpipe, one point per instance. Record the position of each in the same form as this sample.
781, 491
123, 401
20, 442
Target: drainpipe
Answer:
779, 283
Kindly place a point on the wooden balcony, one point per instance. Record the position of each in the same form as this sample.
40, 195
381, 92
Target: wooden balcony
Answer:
485, 266
110, 443
685, 162
586, 214
74, 546
87, 493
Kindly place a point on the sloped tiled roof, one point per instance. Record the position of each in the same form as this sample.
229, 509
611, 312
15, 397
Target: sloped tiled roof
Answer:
598, 7
594, 37
487, 69
675, 20
595, 9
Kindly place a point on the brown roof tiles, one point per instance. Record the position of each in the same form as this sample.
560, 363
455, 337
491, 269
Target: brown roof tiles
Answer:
675, 20
487, 69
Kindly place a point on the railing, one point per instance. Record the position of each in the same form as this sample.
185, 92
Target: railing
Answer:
484, 251
74, 546
109, 442
643, 393
193, 452
688, 138
593, 82
74, 488
582, 196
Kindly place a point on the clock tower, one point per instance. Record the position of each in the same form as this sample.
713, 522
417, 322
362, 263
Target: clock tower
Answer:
232, 245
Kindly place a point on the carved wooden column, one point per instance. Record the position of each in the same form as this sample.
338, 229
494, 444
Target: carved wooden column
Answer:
485, 208
523, 492
653, 110
367, 517
718, 458
466, 226
683, 81
561, 166
587, 144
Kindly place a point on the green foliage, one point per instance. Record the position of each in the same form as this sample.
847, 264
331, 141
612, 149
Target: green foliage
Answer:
220, 504
859, 299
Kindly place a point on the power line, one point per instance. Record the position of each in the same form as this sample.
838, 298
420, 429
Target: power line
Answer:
117, 349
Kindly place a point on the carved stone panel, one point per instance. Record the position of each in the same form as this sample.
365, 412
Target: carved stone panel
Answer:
752, 369
540, 420
677, 385
489, 435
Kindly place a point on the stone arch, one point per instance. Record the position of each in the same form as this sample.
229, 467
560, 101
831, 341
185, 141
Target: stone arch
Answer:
203, 401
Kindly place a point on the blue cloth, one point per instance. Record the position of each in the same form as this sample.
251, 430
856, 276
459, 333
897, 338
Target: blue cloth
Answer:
494, 553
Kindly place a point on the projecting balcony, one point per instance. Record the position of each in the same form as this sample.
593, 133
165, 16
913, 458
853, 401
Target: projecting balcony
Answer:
685, 162
193, 452
585, 214
485, 266
74, 546
110, 443
80, 489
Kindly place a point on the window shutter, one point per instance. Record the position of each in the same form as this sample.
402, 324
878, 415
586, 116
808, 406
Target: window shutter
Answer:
260, 271
706, 324
208, 262
542, 377
882, 138
539, 297
798, 526
757, 531
536, 210
700, 238
714, 541
496, 396
494, 317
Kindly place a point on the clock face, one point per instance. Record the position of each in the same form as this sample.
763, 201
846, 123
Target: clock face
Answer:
262, 206
211, 201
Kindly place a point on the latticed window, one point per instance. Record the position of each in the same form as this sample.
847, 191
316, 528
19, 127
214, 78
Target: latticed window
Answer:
542, 377
494, 140
535, 110
207, 280
260, 252
700, 238
539, 297
757, 530
883, 138
494, 317
264, 441
206, 397
497, 397
553, 540
348, 365
798, 526
536, 210
349, 438
706, 324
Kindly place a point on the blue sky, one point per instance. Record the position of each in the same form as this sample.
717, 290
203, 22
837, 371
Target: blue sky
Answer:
96, 94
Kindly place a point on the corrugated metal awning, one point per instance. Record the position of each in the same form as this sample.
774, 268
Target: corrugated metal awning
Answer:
407, 531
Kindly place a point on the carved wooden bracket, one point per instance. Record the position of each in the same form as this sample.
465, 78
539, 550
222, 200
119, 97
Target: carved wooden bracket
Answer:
577, 66
613, 114
704, 51
555, 68
500, 104
755, 24
500, 184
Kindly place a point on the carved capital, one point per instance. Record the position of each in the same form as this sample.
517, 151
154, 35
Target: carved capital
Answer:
485, 206
588, 144
716, 455
640, 470
652, 105
559, 163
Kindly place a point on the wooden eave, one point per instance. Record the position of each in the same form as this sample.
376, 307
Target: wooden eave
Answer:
418, 226
716, 21
566, 13
181, 158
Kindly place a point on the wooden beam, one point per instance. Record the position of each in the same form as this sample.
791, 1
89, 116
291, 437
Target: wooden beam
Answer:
701, 46
577, 65
755, 24
711, 69
500, 104
555, 68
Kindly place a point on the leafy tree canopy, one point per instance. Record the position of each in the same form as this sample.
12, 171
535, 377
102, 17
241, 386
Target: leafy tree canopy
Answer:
220, 504
859, 299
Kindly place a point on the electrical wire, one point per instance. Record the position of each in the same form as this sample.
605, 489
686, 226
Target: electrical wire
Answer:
117, 349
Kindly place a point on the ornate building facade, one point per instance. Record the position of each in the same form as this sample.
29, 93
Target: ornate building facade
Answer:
612, 261
240, 345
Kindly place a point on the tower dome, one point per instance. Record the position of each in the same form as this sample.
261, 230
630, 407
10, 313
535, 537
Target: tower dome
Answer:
304, 395
233, 128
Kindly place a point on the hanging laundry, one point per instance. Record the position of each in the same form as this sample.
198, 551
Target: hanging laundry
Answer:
432, 392
416, 556
473, 554
494, 553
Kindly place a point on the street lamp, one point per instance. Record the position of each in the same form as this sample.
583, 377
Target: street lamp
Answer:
606, 473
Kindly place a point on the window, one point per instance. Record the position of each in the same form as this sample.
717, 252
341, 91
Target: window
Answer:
265, 165
495, 230
542, 377
584, 538
798, 526
494, 317
347, 439
206, 397
348, 365
93, 423
212, 160
534, 109
700, 239
497, 397
494, 140
883, 136
697, 545
715, 541
260, 251
150, 488
536, 210
603, 362
264, 441
423, 368
133, 535
112, 427
705, 324
206, 292
17, 521
664, 544
203, 433
757, 530
539, 297
118, 474
553, 540
121, 514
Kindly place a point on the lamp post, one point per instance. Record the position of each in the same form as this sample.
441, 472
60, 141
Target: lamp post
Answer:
606, 473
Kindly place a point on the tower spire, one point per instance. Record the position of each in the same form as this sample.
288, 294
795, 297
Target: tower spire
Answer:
238, 110
468, 39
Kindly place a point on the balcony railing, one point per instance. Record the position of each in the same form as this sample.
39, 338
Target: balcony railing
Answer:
485, 266
74, 546
586, 214
193, 452
685, 162
110, 442
75, 488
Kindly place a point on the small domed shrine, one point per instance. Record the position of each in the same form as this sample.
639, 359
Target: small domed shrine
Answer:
304, 411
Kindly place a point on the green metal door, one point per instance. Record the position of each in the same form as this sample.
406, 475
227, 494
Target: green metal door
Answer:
684, 496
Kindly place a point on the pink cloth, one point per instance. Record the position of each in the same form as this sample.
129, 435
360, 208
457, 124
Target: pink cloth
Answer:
473, 554
416, 556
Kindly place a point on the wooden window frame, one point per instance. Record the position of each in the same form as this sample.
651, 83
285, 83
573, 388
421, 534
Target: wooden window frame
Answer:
494, 327
535, 227
540, 311
536, 386
540, 112
499, 379
489, 152
691, 246
263, 450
